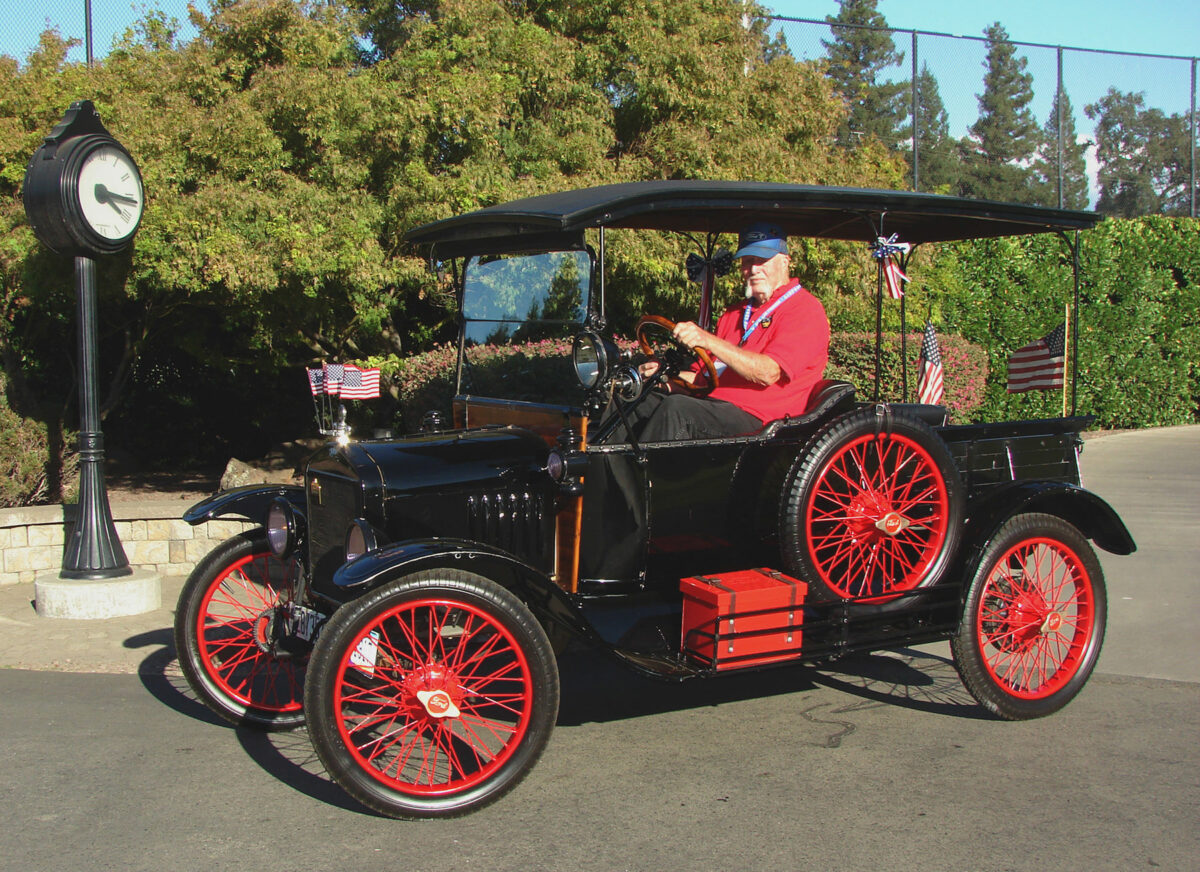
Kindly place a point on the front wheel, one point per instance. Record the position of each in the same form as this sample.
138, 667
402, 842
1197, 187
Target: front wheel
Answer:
1034, 619
431, 696
230, 634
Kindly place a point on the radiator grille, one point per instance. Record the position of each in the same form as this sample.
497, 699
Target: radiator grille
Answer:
512, 521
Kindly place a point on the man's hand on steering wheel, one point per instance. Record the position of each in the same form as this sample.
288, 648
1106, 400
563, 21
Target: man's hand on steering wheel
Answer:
687, 336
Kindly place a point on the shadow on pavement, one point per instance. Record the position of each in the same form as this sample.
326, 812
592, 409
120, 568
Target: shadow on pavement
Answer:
595, 689
286, 756
905, 678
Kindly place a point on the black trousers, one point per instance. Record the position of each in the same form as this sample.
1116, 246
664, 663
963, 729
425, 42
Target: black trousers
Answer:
661, 417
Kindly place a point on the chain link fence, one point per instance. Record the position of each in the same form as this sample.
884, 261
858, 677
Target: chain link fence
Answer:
957, 64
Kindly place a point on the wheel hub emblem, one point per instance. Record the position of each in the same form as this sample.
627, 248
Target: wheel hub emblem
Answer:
892, 523
438, 703
1053, 623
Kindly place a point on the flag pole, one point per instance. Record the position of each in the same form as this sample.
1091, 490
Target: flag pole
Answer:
1068, 373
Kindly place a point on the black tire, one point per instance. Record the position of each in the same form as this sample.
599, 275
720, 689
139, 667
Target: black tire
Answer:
431, 696
871, 508
1034, 619
225, 639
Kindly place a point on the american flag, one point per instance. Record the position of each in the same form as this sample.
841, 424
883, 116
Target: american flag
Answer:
316, 381
359, 384
333, 378
886, 250
929, 383
1038, 365
895, 278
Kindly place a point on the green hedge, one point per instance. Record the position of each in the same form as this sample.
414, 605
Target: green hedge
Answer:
542, 372
1139, 334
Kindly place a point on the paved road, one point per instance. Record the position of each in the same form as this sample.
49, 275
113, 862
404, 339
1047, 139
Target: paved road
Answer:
884, 764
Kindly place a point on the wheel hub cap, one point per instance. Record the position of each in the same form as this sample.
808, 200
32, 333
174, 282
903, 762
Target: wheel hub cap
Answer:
438, 704
1052, 624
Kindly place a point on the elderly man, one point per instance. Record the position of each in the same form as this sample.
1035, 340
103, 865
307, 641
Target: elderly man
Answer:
769, 352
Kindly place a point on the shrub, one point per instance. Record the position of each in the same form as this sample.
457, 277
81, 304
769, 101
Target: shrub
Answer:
965, 367
32, 466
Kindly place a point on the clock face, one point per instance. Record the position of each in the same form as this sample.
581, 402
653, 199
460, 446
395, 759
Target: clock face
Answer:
110, 193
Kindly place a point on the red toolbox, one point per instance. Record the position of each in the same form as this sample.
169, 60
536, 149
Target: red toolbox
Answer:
743, 618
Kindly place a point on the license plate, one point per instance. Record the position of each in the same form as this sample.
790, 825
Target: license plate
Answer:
364, 653
305, 622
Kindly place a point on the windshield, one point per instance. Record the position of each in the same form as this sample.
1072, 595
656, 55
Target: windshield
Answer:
520, 313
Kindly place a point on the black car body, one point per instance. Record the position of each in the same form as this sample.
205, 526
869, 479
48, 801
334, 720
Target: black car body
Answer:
522, 507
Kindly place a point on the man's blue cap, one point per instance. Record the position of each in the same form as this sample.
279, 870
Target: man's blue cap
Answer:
761, 240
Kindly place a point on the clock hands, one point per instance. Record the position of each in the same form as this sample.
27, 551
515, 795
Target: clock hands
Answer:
104, 195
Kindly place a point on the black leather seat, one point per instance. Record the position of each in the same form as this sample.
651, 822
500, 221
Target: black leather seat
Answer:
828, 396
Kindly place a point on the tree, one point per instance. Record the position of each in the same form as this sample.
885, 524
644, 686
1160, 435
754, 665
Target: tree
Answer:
1144, 157
1075, 193
938, 167
861, 53
283, 169
1002, 142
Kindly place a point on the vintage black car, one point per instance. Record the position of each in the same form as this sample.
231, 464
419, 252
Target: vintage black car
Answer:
408, 599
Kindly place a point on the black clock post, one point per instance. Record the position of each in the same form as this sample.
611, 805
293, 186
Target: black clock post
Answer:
83, 197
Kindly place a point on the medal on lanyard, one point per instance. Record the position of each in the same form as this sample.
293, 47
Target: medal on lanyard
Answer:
763, 320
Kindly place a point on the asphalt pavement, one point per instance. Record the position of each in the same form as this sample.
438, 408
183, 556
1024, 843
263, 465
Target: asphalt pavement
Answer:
879, 762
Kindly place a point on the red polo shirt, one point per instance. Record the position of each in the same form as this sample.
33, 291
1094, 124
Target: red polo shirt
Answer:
796, 336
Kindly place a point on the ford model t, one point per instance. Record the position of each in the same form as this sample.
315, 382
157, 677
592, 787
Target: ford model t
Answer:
407, 600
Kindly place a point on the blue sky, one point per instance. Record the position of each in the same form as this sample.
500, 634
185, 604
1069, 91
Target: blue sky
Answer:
1152, 26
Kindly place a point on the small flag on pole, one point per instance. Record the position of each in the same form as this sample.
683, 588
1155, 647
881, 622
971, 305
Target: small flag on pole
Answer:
333, 378
1038, 365
930, 388
895, 278
359, 384
886, 250
316, 382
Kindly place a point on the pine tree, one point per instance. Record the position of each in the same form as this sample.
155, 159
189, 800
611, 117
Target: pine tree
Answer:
1074, 166
1003, 141
861, 52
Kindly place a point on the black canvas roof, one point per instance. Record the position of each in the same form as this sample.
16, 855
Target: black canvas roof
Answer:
801, 210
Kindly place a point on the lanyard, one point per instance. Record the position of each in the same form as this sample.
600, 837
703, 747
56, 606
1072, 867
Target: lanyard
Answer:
775, 304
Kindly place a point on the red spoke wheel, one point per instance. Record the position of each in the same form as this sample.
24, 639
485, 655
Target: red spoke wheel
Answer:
229, 635
872, 508
1034, 619
432, 695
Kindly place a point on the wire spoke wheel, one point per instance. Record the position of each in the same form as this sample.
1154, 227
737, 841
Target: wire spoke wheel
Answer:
1035, 618
434, 696
431, 700
231, 635
873, 508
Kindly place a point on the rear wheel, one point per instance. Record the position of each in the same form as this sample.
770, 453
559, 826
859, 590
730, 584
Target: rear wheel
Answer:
230, 639
432, 695
872, 508
1034, 619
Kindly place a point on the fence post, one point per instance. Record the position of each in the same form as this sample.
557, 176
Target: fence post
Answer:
1193, 125
1058, 112
916, 106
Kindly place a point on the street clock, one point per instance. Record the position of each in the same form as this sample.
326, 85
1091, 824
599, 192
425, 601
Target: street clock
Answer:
83, 191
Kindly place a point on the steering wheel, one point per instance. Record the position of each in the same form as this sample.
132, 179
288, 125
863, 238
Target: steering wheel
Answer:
653, 324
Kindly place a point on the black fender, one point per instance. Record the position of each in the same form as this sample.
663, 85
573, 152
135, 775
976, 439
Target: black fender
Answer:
250, 502
1094, 518
537, 590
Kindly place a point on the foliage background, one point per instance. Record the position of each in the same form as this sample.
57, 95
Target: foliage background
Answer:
288, 148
